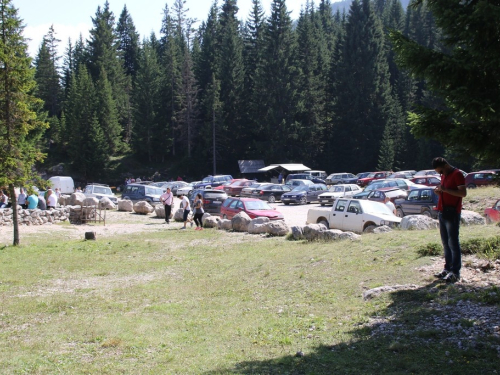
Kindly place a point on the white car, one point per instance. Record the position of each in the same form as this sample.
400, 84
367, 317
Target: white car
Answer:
355, 215
100, 191
185, 190
338, 191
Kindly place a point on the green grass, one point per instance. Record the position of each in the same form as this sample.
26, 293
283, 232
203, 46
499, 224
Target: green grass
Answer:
221, 303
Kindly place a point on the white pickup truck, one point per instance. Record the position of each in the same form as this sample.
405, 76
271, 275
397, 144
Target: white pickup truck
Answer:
355, 215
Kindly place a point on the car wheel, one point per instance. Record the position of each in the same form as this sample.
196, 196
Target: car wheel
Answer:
325, 223
224, 217
322, 204
303, 200
126, 198
271, 199
399, 212
286, 203
369, 229
426, 212
471, 186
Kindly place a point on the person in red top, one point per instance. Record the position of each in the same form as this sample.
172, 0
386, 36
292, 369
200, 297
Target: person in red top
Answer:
450, 191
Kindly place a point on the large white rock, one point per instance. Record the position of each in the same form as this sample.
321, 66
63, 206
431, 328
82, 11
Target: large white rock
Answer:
277, 228
143, 208
90, 201
125, 205
257, 225
178, 215
472, 218
224, 224
312, 232
77, 199
106, 204
211, 222
382, 229
240, 222
418, 222
64, 200
204, 217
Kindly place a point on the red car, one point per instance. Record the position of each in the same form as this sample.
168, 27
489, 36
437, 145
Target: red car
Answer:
227, 183
236, 187
426, 180
373, 176
493, 213
481, 178
251, 206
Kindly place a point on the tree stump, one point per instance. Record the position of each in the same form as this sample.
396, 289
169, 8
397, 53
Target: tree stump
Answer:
89, 236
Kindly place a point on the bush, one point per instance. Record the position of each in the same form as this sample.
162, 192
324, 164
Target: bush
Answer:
488, 247
430, 249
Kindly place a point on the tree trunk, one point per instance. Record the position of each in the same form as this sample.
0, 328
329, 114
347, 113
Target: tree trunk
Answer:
15, 223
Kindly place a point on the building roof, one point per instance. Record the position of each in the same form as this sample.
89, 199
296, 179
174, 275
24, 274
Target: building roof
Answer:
286, 167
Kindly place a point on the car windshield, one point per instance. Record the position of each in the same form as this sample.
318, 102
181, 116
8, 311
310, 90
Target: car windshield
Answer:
373, 207
102, 190
301, 188
207, 179
371, 175
336, 189
257, 205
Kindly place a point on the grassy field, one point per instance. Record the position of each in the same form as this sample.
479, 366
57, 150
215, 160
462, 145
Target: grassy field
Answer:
211, 302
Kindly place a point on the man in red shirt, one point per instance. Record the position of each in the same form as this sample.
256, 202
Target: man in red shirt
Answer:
450, 191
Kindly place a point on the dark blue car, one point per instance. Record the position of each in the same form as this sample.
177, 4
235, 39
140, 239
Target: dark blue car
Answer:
303, 194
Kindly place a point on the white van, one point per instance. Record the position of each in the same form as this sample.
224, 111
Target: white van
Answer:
317, 174
65, 184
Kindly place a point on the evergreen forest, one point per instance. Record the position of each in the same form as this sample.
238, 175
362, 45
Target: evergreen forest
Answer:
324, 90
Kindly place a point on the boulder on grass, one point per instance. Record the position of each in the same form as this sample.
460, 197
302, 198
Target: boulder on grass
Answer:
106, 204
297, 232
382, 229
178, 215
471, 218
204, 217
418, 222
225, 224
211, 222
240, 222
312, 232
160, 211
143, 208
257, 225
125, 205
277, 228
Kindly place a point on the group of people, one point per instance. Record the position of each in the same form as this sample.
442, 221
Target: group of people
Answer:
167, 199
29, 199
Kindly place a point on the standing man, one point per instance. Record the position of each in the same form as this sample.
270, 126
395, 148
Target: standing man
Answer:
389, 204
167, 199
450, 191
280, 178
187, 210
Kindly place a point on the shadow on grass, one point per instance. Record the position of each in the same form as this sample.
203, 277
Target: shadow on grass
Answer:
436, 329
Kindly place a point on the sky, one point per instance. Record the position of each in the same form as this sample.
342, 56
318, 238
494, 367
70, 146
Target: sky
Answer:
73, 17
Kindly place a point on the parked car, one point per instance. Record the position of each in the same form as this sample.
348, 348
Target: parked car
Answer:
426, 180
406, 175
426, 172
362, 174
99, 191
214, 181
186, 189
271, 193
493, 213
372, 176
173, 185
392, 193
212, 199
338, 191
303, 194
294, 183
65, 184
236, 187
304, 176
317, 174
481, 178
402, 183
251, 206
378, 184
248, 191
418, 202
353, 215
138, 192
341, 178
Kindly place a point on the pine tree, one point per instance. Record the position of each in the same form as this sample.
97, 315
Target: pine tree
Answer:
20, 123
363, 99
128, 47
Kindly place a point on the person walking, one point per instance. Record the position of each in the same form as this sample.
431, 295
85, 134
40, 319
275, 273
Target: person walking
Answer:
198, 211
451, 191
187, 210
167, 199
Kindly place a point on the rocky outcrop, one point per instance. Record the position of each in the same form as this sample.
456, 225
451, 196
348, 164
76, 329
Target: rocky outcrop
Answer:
319, 232
418, 222
125, 205
143, 208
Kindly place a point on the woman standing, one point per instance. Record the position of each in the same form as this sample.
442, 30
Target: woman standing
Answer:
198, 211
